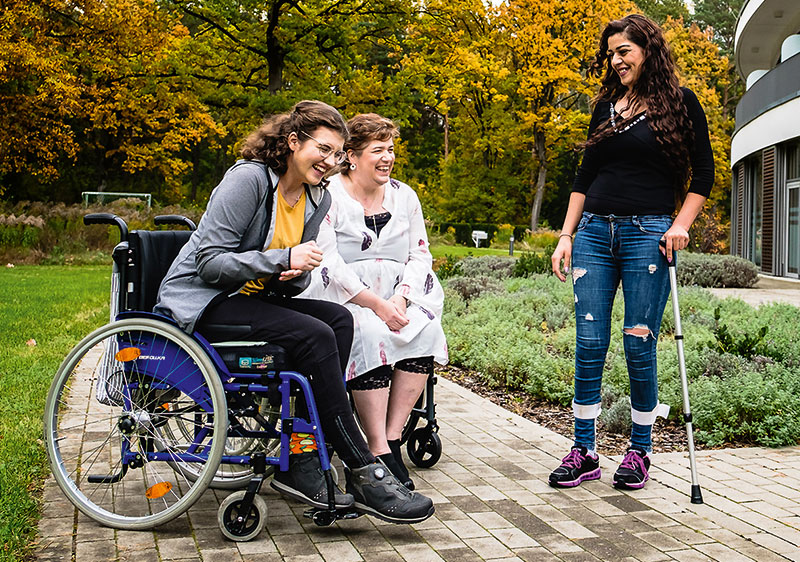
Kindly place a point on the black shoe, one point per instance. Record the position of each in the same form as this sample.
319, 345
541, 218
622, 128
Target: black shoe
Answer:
391, 463
633, 473
402, 472
377, 492
305, 481
578, 466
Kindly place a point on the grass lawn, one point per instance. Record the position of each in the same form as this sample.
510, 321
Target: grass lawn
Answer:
55, 306
442, 250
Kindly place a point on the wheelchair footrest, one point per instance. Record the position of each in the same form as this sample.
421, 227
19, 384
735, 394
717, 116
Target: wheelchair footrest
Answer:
327, 517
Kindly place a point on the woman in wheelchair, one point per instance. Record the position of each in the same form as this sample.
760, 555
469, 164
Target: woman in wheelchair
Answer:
378, 265
251, 253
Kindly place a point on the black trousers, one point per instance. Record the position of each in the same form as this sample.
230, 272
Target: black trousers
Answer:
318, 336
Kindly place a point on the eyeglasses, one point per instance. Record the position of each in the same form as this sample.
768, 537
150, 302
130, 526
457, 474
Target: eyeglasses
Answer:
324, 150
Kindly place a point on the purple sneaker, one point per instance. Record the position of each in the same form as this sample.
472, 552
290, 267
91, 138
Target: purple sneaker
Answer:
578, 466
632, 473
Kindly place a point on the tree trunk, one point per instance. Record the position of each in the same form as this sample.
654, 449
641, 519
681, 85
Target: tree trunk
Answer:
275, 62
195, 172
275, 52
538, 153
446, 136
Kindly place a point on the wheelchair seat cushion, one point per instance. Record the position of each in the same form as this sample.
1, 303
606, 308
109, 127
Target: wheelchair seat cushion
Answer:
241, 355
252, 357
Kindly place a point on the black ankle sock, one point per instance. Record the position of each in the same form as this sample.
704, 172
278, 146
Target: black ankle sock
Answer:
390, 462
394, 446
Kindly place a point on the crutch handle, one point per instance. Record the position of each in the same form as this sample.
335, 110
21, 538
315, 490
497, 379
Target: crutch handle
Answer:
674, 262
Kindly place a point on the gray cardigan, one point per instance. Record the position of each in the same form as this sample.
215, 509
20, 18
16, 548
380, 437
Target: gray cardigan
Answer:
227, 249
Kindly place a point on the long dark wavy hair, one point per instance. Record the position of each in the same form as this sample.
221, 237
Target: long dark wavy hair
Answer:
269, 142
657, 87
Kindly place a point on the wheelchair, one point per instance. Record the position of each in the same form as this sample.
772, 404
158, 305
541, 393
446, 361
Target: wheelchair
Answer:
142, 418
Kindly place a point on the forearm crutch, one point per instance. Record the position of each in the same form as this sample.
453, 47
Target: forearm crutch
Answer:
696, 495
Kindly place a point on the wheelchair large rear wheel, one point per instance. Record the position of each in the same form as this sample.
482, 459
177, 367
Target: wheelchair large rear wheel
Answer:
109, 451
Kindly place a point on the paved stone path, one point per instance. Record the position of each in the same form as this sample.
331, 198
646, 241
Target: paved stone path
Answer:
492, 502
766, 290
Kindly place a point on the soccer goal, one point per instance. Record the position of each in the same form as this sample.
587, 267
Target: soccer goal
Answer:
105, 197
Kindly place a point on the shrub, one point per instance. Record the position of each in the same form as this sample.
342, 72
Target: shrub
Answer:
450, 266
472, 287
759, 407
617, 417
54, 233
542, 239
499, 267
521, 334
742, 344
503, 235
710, 270
530, 263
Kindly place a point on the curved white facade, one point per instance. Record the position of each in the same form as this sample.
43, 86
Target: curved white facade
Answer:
765, 148
773, 127
760, 30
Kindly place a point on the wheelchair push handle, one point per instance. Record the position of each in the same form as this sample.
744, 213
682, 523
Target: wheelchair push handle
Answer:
175, 219
108, 218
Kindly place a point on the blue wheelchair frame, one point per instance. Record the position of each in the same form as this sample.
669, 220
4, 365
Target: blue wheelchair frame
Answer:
150, 367
233, 382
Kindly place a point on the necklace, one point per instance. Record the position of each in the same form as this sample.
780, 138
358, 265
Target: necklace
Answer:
370, 205
629, 125
297, 199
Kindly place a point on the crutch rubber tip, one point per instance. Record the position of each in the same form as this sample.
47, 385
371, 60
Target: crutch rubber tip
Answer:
697, 497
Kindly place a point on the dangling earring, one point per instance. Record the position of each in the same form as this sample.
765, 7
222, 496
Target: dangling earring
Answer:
352, 166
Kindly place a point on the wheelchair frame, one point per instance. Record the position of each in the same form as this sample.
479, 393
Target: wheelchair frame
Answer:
164, 397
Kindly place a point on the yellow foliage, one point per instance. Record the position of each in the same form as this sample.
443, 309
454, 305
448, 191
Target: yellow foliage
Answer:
704, 70
75, 72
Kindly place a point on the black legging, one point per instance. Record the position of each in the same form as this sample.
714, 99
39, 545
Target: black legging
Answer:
318, 336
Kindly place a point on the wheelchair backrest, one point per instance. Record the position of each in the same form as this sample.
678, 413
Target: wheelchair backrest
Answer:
149, 256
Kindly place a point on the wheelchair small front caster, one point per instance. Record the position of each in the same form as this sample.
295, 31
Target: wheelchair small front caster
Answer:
237, 525
424, 447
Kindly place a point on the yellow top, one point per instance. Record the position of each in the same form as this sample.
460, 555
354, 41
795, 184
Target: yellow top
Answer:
289, 222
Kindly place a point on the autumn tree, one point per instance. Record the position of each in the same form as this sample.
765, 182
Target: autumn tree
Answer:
661, 10
457, 67
549, 45
90, 98
705, 70
720, 16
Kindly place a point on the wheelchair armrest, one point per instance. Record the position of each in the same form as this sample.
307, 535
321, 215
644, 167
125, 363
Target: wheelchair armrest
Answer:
226, 332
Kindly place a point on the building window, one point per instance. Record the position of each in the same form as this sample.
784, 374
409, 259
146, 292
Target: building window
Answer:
792, 152
793, 161
753, 190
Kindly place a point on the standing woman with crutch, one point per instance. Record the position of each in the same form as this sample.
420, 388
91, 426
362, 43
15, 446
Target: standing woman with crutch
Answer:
645, 136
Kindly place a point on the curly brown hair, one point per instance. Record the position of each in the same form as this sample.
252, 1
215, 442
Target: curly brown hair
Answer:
657, 87
269, 142
365, 128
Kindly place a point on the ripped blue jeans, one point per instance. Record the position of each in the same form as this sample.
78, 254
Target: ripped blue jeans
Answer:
607, 250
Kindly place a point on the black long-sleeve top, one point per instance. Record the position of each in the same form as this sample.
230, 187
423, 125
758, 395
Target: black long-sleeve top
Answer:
628, 173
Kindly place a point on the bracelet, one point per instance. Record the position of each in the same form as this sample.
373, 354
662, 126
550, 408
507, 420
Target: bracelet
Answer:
565, 234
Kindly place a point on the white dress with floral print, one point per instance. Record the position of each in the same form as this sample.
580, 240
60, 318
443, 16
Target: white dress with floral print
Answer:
395, 262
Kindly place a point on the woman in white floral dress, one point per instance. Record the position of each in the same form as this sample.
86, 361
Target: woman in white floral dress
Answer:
377, 263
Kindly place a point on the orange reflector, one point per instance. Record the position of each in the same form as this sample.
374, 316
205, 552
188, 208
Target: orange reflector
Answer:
157, 490
128, 354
